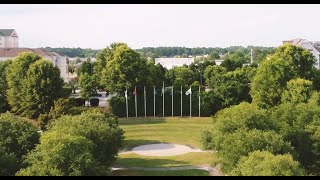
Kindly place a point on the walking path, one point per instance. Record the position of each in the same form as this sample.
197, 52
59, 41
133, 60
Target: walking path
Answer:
212, 171
162, 149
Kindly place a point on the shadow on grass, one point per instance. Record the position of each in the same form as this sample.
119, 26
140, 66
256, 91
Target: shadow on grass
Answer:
192, 172
132, 143
150, 163
139, 120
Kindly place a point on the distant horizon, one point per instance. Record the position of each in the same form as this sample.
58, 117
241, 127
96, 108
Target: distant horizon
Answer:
165, 25
163, 47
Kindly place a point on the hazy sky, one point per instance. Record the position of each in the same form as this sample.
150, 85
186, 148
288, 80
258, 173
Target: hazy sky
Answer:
211, 25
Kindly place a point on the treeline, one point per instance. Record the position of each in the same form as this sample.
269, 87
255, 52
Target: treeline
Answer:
259, 52
73, 52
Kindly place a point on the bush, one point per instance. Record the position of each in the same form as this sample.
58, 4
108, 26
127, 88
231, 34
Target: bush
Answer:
85, 144
17, 135
8, 163
242, 142
61, 155
17, 138
66, 91
94, 102
80, 102
263, 163
206, 140
43, 121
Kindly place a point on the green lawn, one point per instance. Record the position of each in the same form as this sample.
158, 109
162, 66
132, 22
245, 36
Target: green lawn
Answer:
195, 158
185, 131
177, 130
193, 172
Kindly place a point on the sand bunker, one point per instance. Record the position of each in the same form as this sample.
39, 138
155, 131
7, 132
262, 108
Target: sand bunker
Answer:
162, 150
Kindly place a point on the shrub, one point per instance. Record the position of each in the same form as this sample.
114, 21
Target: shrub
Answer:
17, 138
85, 144
94, 102
43, 121
8, 163
263, 163
80, 102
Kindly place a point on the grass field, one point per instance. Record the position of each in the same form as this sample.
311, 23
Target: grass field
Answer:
193, 172
186, 131
134, 160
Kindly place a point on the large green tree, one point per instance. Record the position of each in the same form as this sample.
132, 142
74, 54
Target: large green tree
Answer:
41, 86
16, 72
61, 155
288, 62
85, 144
88, 86
298, 90
233, 61
125, 68
17, 138
4, 106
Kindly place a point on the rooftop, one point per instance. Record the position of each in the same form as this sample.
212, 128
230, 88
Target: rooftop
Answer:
6, 32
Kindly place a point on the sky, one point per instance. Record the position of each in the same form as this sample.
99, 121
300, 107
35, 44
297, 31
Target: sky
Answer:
185, 25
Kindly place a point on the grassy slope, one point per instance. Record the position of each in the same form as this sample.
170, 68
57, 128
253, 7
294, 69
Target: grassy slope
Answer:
185, 131
134, 160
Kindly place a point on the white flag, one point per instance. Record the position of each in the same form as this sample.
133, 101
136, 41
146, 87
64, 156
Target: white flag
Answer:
162, 91
126, 93
189, 92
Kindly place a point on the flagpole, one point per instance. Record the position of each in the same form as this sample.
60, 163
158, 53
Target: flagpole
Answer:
145, 102
181, 101
190, 101
154, 101
127, 102
199, 102
135, 90
163, 98
172, 100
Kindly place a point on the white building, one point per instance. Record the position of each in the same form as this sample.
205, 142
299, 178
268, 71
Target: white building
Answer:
169, 63
56, 59
9, 38
312, 46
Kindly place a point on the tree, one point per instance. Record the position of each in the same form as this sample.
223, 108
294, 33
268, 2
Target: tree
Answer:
17, 135
101, 129
241, 129
298, 90
17, 138
233, 61
293, 120
8, 163
41, 86
125, 68
288, 62
184, 73
231, 87
71, 68
16, 72
4, 106
214, 55
88, 86
61, 155
264, 163
86, 67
